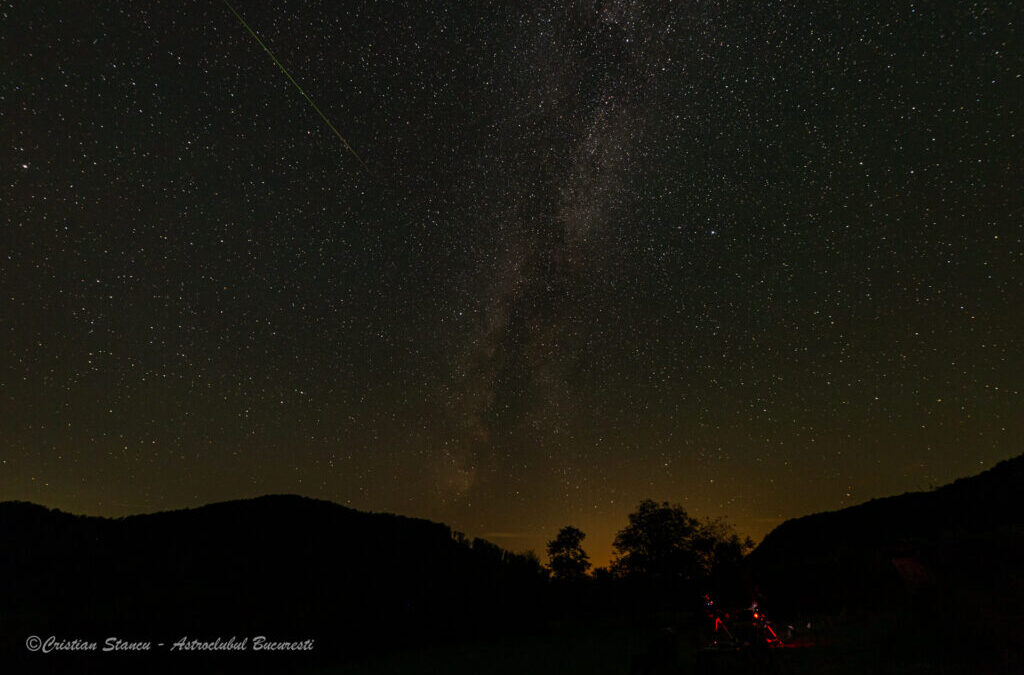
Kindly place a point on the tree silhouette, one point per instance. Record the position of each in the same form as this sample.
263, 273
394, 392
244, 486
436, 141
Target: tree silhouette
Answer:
658, 543
719, 547
662, 542
566, 557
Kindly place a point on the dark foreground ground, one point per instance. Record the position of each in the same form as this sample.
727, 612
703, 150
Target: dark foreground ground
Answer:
661, 644
892, 643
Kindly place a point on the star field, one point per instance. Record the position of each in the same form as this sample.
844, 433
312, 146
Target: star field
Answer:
762, 261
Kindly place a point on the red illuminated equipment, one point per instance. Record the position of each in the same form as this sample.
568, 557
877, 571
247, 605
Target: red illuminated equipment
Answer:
739, 629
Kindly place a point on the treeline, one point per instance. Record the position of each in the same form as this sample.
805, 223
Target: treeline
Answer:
663, 557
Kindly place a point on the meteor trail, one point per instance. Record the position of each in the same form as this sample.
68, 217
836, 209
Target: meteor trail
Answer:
299, 87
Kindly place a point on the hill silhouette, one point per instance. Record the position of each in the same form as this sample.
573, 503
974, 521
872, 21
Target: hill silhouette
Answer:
955, 552
283, 566
366, 586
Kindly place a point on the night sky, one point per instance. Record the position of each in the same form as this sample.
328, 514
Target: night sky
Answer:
761, 259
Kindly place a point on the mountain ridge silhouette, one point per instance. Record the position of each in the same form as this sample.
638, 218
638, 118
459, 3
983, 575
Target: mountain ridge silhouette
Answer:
282, 565
957, 550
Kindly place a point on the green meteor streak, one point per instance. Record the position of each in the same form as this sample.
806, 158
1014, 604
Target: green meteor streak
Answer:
301, 90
